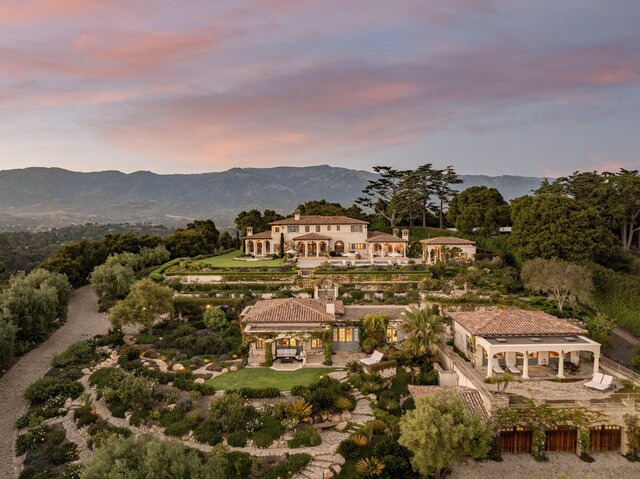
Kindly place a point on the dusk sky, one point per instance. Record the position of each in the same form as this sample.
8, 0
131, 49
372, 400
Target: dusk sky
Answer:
533, 88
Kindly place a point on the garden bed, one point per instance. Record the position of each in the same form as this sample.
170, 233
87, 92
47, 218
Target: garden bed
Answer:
264, 377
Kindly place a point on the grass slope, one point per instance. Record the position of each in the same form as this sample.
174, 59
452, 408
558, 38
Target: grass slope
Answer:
265, 377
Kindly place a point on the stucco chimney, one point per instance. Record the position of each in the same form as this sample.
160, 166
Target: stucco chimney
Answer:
331, 308
405, 234
396, 231
296, 215
249, 230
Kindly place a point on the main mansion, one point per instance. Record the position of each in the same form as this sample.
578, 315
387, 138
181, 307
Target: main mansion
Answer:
317, 236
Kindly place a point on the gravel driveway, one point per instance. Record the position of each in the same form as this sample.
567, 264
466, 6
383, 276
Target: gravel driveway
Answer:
83, 321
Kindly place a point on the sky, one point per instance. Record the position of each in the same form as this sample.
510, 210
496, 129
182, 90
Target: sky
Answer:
537, 88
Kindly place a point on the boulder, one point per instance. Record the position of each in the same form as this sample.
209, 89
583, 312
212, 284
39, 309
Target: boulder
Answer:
337, 469
345, 416
86, 371
225, 370
327, 474
341, 426
233, 368
336, 417
199, 381
178, 367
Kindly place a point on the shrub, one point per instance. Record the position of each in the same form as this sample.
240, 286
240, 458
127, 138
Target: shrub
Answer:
305, 436
238, 439
180, 428
106, 378
29, 440
49, 387
81, 353
231, 412
208, 432
271, 430
215, 319
289, 467
256, 393
84, 416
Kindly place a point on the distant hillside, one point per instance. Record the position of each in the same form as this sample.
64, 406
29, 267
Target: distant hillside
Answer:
54, 196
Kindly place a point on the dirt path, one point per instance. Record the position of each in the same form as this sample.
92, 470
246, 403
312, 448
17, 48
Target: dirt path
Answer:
83, 321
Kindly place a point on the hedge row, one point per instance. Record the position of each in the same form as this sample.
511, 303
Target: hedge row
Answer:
255, 393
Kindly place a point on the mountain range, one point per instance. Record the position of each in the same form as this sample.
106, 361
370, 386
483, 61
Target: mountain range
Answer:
55, 196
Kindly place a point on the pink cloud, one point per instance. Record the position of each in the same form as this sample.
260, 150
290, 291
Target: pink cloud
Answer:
26, 11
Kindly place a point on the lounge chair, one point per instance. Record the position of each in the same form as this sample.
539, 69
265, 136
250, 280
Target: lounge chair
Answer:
607, 382
597, 379
512, 367
495, 364
375, 358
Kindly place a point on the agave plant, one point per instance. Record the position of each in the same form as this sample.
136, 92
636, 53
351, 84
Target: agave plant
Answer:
360, 440
370, 467
369, 387
343, 403
348, 448
354, 367
301, 410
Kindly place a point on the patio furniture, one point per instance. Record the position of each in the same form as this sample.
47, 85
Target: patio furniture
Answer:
607, 382
597, 379
512, 367
375, 358
495, 365
287, 352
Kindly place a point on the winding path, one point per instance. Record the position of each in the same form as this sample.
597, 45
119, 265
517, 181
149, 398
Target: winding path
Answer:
83, 321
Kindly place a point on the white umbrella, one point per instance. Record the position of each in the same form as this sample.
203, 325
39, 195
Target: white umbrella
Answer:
291, 251
394, 254
349, 253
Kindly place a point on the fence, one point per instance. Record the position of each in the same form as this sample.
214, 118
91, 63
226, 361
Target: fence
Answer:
619, 370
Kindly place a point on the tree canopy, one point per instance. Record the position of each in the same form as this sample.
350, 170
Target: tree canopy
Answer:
439, 430
145, 456
422, 329
144, 304
560, 279
550, 226
479, 208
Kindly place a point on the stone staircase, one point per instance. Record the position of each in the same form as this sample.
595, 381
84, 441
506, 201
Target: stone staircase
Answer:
322, 466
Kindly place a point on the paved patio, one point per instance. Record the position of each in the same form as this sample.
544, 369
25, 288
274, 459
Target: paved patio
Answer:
559, 466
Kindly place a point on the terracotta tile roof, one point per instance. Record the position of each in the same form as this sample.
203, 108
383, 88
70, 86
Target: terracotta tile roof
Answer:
263, 235
289, 310
514, 322
471, 397
319, 220
447, 240
312, 236
380, 237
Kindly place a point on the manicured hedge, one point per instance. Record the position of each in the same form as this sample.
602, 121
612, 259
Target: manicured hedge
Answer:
256, 393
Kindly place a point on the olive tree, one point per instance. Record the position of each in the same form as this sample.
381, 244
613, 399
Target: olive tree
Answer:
439, 430
558, 278
143, 305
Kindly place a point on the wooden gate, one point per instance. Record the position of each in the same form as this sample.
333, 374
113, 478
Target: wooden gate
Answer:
516, 440
606, 438
561, 440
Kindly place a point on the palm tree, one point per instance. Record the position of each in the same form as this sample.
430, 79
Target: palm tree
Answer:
422, 329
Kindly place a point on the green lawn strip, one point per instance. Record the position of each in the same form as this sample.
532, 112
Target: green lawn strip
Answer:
227, 261
265, 377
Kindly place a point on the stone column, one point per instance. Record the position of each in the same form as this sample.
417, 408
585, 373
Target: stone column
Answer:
489, 363
525, 366
596, 363
561, 364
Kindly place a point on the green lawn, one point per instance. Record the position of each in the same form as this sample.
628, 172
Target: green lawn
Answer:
227, 261
265, 377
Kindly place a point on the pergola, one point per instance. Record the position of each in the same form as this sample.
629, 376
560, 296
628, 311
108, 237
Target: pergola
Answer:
512, 347
386, 245
259, 244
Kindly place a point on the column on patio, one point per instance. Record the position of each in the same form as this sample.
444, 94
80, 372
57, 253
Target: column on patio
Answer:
561, 364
